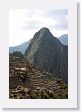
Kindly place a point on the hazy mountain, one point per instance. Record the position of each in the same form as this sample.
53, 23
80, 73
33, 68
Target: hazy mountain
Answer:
64, 39
47, 52
21, 47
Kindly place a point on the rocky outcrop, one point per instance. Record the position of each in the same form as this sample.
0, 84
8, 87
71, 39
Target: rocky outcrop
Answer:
47, 52
27, 81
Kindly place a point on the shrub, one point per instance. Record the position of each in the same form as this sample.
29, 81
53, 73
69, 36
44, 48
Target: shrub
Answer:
33, 95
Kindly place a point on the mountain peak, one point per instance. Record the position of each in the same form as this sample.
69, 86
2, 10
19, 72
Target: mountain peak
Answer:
43, 33
46, 51
64, 39
44, 29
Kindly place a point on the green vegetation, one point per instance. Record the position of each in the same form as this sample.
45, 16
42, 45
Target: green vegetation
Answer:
27, 81
18, 54
22, 92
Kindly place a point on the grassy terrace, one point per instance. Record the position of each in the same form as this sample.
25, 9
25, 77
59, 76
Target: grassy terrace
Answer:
27, 81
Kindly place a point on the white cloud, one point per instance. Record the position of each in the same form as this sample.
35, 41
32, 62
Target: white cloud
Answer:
58, 33
23, 23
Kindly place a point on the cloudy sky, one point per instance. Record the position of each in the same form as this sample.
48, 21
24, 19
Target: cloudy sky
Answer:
24, 23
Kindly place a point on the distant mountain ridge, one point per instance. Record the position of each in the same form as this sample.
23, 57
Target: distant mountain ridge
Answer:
64, 39
47, 52
22, 47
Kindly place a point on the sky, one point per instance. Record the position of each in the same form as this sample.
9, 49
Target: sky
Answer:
24, 23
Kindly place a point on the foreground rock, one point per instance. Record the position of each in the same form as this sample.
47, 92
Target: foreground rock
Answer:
27, 81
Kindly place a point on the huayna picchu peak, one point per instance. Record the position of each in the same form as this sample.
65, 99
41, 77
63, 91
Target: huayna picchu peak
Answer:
42, 71
47, 52
42, 33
